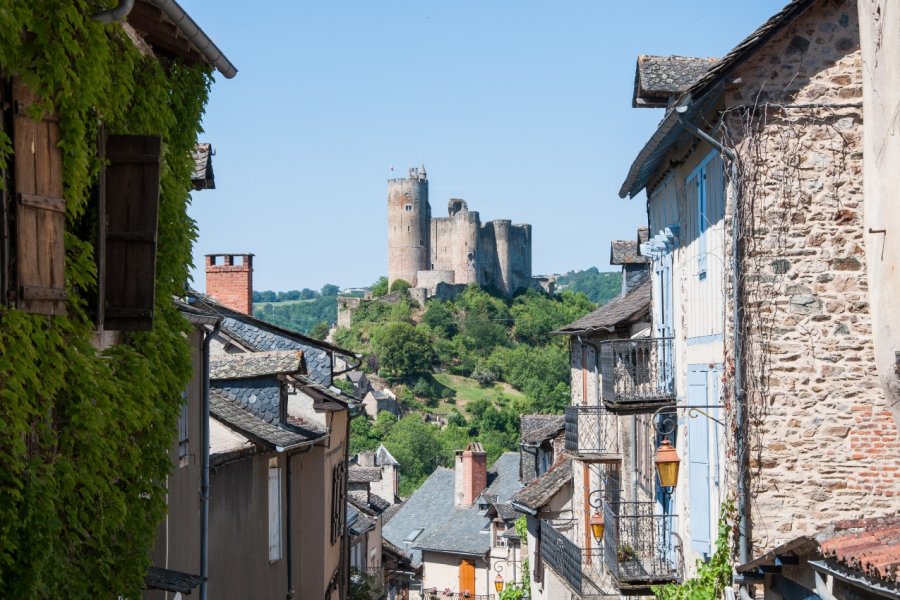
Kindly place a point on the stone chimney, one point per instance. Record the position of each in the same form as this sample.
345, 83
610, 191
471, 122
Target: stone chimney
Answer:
230, 282
471, 474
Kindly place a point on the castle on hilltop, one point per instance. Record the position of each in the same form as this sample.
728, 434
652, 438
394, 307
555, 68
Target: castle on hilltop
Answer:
436, 254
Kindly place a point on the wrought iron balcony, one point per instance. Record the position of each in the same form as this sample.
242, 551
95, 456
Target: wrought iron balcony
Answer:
581, 568
639, 546
638, 374
592, 431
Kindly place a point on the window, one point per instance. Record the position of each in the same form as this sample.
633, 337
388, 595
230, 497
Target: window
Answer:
338, 508
274, 510
413, 535
183, 432
408, 208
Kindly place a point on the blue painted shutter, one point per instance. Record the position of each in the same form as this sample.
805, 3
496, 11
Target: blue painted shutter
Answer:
698, 451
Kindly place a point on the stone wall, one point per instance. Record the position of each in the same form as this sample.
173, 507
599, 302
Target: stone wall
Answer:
409, 226
823, 444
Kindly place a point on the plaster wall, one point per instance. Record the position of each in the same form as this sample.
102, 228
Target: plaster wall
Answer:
441, 571
880, 45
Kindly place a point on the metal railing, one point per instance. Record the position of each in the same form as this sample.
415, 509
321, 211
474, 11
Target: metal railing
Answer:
591, 430
638, 374
581, 568
638, 544
441, 595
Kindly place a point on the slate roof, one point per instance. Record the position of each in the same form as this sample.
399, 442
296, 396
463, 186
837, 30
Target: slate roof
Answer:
261, 336
170, 580
230, 413
379, 503
364, 474
260, 396
358, 522
620, 311
367, 502
658, 77
870, 546
506, 511
542, 489
537, 428
627, 252
202, 177
384, 457
254, 364
447, 528
669, 131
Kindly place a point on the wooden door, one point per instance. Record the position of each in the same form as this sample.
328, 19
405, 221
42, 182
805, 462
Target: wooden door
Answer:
467, 576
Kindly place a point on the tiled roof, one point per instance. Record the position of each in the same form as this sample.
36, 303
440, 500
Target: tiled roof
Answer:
253, 364
369, 503
364, 474
445, 527
537, 428
170, 580
626, 252
542, 489
870, 546
620, 311
506, 511
384, 457
231, 414
658, 77
260, 396
379, 503
262, 336
669, 131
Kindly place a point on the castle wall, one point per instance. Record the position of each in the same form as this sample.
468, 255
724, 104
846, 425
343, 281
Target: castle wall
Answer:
519, 258
409, 230
430, 279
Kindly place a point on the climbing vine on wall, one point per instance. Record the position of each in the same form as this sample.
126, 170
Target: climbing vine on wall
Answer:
83, 434
712, 577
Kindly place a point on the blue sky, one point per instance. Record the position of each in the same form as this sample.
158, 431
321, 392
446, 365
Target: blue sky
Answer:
521, 108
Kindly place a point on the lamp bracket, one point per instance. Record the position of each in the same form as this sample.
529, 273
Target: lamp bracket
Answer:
666, 426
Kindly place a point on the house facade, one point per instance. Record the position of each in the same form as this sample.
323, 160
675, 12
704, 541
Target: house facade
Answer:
754, 180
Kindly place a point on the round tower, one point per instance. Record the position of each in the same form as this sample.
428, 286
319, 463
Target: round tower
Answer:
502, 237
409, 216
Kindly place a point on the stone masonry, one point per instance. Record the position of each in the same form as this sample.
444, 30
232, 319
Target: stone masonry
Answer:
823, 444
454, 250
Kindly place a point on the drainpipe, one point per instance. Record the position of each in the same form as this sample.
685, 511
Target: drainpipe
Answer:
740, 393
114, 15
204, 473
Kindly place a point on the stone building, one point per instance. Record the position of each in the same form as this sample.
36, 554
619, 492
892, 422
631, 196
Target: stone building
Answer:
762, 308
457, 249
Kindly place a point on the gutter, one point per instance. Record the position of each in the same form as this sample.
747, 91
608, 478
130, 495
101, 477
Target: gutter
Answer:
523, 508
204, 471
740, 394
196, 36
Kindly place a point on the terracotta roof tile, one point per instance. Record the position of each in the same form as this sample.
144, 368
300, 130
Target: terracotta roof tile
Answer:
871, 546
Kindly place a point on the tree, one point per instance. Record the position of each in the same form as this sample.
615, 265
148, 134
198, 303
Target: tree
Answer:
400, 285
380, 287
308, 294
440, 318
330, 289
402, 350
267, 296
416, 447
320, 330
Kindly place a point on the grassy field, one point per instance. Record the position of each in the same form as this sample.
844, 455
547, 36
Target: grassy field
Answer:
468, 390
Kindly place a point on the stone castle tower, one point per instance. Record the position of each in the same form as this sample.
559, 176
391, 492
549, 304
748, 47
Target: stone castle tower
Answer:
455, 250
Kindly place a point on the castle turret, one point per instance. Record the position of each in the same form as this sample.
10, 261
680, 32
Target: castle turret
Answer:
504, 268
409, 216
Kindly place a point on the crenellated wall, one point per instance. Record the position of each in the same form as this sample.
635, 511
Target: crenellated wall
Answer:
424, 250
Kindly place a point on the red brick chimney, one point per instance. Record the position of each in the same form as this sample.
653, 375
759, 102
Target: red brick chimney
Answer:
471, 474
231, 284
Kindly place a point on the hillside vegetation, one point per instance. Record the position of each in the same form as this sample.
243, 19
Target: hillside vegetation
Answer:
475, 342
306, 311
599, 287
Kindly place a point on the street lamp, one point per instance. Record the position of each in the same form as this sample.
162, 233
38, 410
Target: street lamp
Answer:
498, 583
667, 462
597, 526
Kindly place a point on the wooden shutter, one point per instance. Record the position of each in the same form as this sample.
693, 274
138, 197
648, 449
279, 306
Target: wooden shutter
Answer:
131, 190
274, 513
698, 474
467, 576
40, 209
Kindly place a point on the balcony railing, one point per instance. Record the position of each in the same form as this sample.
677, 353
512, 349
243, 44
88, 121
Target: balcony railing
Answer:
591, 430
581, 568
639, 546
638, 374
